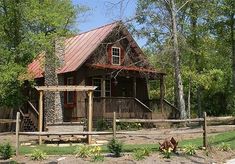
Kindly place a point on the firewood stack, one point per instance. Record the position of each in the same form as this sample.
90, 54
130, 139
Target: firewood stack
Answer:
28, 125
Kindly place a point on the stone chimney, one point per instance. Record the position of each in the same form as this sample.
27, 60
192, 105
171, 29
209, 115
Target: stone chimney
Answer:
53, 103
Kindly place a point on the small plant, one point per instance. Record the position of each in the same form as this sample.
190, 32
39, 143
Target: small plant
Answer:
96, 154
190, 149
224, 147
83, 151
38, 155
167, 152
6, 151
140, 154
115, 147
128, 126
101, 125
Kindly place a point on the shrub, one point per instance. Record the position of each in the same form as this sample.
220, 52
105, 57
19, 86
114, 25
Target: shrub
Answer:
6, 151
115, 147
96, 154
141, 153
82, 151
101, 125
38, 155
128, 126
167, 152
224, 147
190, 149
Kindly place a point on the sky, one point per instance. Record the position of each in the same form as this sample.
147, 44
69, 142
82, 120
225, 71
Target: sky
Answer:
103, 12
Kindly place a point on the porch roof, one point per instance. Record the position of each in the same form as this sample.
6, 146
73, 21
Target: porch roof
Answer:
127, 68
65, 88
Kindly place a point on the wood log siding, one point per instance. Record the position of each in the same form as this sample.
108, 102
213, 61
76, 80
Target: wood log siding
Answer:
125, 107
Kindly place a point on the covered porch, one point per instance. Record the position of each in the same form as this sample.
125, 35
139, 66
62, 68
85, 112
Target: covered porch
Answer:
124, 90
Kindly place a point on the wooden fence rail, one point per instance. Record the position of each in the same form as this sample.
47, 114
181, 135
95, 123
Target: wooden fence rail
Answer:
204, 130
7, 121
204, 120
17, 121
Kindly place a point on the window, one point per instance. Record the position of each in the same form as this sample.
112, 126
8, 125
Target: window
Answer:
70, 94
107, 88
97, 82
116, 56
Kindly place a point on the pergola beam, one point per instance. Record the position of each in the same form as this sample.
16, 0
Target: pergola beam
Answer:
65, 88
88, 89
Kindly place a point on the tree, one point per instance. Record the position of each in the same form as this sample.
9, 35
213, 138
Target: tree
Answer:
29, 27
158, 22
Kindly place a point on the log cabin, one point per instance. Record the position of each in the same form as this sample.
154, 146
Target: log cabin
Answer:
107, 57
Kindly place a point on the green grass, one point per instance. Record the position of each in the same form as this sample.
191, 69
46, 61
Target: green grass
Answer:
70, 150
226, 137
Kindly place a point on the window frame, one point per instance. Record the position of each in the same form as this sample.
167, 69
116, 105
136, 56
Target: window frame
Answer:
96, 78
69, 92
108, 91
100, 91
119, 56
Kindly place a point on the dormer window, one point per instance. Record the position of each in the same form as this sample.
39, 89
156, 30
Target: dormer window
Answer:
116, 56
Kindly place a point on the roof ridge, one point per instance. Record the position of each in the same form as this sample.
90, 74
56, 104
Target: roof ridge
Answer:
115, 22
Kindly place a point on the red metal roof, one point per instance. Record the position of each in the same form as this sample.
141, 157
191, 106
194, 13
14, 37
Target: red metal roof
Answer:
77, 50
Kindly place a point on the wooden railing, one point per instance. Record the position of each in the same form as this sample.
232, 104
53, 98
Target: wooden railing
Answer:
33, 113
125, 107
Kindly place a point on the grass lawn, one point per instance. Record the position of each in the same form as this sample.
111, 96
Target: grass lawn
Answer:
227, 137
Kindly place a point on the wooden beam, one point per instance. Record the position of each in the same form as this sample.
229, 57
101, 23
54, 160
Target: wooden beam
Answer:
114, 125
103, 95
63, 133
90, 108
134, 87
65, 88
40, 120
17, 132
162, 92
160, 120
204, 131
8, 121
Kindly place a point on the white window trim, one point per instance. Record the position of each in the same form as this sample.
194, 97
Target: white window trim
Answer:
67, 95
100, 84
116, 55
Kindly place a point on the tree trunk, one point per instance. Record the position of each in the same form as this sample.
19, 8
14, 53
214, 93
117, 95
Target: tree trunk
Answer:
189, 99
176, 60
232, 24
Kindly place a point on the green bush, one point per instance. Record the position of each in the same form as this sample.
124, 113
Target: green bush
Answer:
96, 154
102, 125
38, 155
83, 151
6, 151
128, 126
190, 149
115, 147
140, 154
224, 147
89, 151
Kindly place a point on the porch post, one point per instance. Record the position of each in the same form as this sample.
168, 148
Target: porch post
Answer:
103, 96
162, 92
90, 108
134, 87
40, 120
